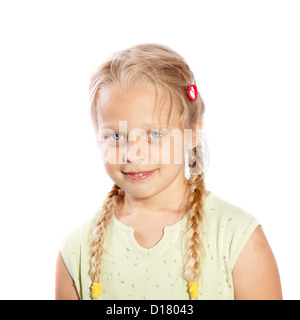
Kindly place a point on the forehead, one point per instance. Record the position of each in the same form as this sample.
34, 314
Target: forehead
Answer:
141, 106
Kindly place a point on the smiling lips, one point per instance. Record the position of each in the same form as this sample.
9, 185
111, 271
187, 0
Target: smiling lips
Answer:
141, 175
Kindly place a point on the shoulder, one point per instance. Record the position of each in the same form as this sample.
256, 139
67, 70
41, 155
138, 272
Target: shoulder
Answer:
80, 235
72, 262
222, 211
239, 238
229, 225
75, 244
255, 274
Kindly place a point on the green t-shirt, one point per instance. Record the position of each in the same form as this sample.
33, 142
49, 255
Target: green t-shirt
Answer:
131, 272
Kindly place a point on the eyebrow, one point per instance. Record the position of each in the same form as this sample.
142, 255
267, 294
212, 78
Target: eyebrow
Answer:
114, 125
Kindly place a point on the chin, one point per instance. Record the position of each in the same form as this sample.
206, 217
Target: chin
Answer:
138, 191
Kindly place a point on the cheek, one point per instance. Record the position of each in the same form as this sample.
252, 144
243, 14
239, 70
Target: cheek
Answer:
169, 173
108, 153
172, 152
111, 153
155, 153
178, 154
113, 171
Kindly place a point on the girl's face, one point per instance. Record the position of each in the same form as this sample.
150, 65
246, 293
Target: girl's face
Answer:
133, 139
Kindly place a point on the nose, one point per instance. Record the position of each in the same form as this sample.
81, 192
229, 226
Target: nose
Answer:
135, 152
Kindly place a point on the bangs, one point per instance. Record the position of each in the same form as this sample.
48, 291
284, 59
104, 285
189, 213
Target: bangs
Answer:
166, 100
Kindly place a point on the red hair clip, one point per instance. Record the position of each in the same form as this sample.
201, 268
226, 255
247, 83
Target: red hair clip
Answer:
192, 92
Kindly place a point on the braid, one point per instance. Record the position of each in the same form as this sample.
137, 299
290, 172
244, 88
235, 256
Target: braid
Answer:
195, 250
109, 204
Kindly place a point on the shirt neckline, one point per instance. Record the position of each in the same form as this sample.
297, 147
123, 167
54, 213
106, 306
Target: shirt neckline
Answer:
167, 232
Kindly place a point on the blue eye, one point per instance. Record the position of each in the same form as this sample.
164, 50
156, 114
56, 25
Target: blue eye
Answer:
115, 136
156, 134
119, 136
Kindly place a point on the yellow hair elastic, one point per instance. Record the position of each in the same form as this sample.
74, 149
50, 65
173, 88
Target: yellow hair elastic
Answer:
193, 289
96, 290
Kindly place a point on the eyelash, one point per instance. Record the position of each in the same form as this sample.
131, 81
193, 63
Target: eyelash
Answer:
114, 134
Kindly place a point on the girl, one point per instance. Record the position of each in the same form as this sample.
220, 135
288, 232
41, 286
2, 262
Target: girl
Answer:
159, 235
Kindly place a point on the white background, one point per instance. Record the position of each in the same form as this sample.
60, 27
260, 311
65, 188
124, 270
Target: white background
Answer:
245, 55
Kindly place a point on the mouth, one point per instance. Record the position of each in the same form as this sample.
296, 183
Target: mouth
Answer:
140, 175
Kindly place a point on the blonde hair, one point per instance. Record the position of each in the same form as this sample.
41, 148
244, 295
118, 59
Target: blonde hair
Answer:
166, 70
